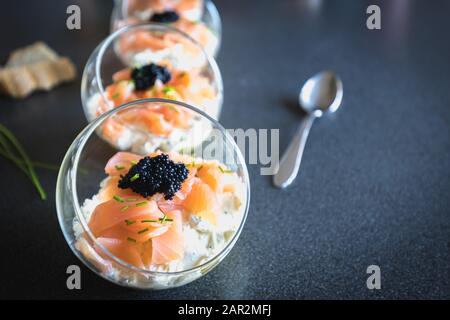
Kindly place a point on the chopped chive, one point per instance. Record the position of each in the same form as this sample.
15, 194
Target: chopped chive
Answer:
168, 90
128, 222
164, 219
124, 208
135, 177
118, 198
173, 108
120, 167
225, 170
133, 162
144, 221
143, 230
200, 168
143, 203
116, 95
131, 239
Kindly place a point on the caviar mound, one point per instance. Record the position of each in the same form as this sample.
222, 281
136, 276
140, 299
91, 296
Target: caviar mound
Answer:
146, 76
153, 175
165, 17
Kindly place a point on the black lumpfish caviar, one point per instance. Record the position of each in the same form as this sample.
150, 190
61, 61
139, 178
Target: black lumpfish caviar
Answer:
165, 17
145, 76
153, 175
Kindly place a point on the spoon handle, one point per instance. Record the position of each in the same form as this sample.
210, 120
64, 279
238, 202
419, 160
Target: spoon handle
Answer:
290, 162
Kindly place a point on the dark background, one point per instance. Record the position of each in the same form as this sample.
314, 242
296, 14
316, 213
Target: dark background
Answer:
375, 179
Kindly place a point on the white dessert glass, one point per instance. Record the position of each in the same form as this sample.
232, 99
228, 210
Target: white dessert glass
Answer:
107, 59
81, 172
125, 13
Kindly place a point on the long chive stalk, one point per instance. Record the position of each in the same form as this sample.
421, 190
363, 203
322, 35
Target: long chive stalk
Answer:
25, 164
8, 153
36, 164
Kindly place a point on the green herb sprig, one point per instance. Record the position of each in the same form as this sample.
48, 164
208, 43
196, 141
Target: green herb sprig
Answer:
12, 149
225, 170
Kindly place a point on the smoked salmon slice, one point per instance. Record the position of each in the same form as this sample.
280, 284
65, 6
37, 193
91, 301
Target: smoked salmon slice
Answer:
170, 245
124, 74
121, 162
122, 250
202, 201
211, 175
112, 189
128, 209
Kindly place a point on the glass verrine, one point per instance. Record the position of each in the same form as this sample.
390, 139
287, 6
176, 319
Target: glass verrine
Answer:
118, 72
82, 171
199, 18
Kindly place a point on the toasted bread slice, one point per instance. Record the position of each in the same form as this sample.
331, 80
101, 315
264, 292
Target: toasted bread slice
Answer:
35, 67
36, 52
20, 81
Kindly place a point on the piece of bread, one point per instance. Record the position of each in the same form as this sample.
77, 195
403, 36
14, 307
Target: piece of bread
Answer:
36, 52
16, 82
20, 81
35, 67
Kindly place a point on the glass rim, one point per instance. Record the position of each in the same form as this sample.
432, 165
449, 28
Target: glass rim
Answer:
99, 52
90, 129
206, 3
209, 9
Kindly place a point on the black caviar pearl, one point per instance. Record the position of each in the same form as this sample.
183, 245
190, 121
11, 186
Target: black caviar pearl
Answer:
145, 76
153, 175
165, 17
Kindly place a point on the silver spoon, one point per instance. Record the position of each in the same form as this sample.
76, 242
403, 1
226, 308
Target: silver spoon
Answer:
320, 95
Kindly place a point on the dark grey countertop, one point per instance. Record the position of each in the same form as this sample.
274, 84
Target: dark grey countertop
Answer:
375, 179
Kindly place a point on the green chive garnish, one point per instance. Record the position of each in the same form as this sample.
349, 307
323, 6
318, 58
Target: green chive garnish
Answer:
225, 171
131, 239
135, 177
173, 108
116, 95
124, 208
120, 167
128, 222
19, 162
168, 90
165, 218
143, 230
144, 221
7, 142
200, 168
118, 198
133, 162
143, 203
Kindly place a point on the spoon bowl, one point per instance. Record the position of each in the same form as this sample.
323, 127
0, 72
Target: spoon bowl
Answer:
322, 92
